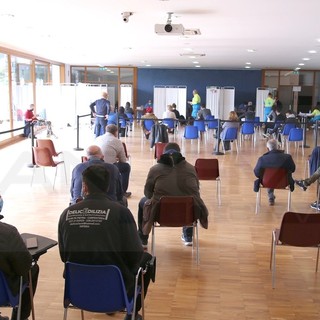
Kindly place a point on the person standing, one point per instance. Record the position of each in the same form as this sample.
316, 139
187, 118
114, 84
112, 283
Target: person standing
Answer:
111, 239
195, 103
100, 110
113, 153
172, 176
268, 104
274, 158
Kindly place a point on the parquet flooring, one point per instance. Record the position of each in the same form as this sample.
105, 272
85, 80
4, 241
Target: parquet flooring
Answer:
233, 280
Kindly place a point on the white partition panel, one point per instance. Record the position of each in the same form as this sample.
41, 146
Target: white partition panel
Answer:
213, 97
261, 95
165, 95
228, 101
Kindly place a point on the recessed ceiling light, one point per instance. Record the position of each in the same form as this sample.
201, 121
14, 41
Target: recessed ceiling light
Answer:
148, 65
248, 62
312, 51
251, 50
301, 64
247, 67
188, 49
195, 61
297, 68
197, 66
305, 59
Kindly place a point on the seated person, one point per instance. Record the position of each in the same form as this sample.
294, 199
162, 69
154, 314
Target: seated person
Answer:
124, 122
278, 123
314, 115
148, 115
171, 176
16, 261
249, 114
203, 112
113, 153
29, 117
95, 157
112, 239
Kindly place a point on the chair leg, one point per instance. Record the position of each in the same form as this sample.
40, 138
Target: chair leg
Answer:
317, 262
219, 191
258, 201
55, 176
289, 200
82, 315
152, 241
273, 263
195, 239
65, 313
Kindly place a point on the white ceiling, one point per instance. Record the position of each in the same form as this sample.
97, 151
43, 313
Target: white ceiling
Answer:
83, 32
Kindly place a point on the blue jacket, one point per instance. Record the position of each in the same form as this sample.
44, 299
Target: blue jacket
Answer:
115, 191
102, 107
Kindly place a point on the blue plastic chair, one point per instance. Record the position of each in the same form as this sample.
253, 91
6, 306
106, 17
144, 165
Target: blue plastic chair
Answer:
296, 136
191, 133
7, 299
98, 288
247, 129
148, 123
113, 118
170, 123
200, 124
285, 133
131, 119
232, 136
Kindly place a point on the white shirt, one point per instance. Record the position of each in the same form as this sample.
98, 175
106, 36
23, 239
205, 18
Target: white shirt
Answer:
168, 114
111, 147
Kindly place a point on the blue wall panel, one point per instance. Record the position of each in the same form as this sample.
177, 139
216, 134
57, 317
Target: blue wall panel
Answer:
245, 81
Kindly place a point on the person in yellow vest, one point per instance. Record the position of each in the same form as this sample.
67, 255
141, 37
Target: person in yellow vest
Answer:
195, 103
268, 103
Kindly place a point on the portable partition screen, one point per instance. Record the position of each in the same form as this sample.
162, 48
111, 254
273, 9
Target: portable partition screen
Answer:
220, 101
262, 94
165, 95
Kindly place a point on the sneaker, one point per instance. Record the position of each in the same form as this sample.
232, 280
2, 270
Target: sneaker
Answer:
187, 240
271, 202
301, 184
266, 135
315, 205
127, 194
144, 243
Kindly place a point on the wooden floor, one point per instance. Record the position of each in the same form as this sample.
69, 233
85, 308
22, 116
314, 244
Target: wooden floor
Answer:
233, 280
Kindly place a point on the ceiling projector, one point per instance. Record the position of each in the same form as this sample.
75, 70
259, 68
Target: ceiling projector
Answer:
169, 29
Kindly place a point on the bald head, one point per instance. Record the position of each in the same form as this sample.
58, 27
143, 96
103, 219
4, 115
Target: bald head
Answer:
94, 151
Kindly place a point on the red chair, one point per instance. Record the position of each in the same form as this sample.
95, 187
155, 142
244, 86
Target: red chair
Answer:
47, 143
274, 178
126, 152
43, 158
298, 230
158, 150
208, 169
176, 211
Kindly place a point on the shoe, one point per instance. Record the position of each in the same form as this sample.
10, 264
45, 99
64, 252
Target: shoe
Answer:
144, 243
301, 184
266, 135
4, 318
127, 194
315, 205
128, 317
271, 202
187, 240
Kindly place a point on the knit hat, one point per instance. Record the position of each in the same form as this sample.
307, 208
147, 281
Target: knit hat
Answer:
149, 110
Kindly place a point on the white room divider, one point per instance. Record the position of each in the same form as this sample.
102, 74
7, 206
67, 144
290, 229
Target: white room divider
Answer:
164, 95
261, 95
220, 101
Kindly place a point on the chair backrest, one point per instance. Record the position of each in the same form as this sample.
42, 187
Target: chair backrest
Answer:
287, 127
231, 134
169, 122
213, 123
300, 229
295, 134
113, 118
6, 297
175, 211
43, 157
207, 169
247, 128
200, 124
95, 288
275, 178
191, 132
47, 143
130, 116
158, 149
148, 123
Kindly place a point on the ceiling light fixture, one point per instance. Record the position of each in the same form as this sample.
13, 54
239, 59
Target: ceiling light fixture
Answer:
301, 64
192, 55
251, 50
312, 51
248, 62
